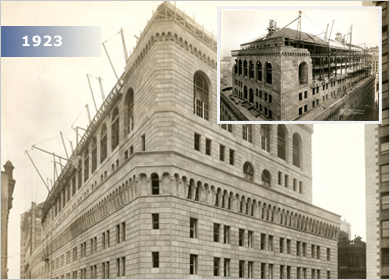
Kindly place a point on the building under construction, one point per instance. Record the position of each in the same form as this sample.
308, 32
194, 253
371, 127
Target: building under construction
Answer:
288, 74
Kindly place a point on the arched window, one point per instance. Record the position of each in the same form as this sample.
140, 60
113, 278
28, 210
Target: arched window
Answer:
79, 174
235, 67
297, 150
251, 96
282, 139
86, 165
115, 129
248, 171
245, 93
265, 136
245, 68
266, 178
155, 184
251, 70
259, 72
94, 154
129, 116
240, 67
201, 95
268, 67
303, 73
103, 143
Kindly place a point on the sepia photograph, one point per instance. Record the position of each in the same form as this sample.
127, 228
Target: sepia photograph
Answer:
306, 64
115, 165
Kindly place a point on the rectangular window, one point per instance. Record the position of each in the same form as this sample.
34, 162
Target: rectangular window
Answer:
197, 142
385, 201
314, 104
262, 241
305, 93
294, 184
118, 234
304, 270
226, 234
313, 274
328, 254
281, 241
318, 274
279, 178
288, 272
318, 252
304, 249
216, 266
193, 228
103, 240
270, 271
300, 96
328, 274
231, 157
281, 273
155, 259
216, 232
313, 251
385, 229
314, 91
385, 256
193, 264
208, 147
226, 267
270, 98
123, 231
288, 246
143, 143
155, 221
265, 96
298, 273
384, 173
250, 239
250, 269
270, 243
286, 181
123, 259
241, 269
300, 111
222, 152
118, 268
108, 238
298, 248
300, 187
241, 234
305, 108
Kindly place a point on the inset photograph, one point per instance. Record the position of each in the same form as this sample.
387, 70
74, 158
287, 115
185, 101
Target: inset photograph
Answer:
299, 65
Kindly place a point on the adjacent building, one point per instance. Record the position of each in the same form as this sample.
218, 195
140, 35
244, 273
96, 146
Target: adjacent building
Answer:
377, 170
346, 228
351, 257
7, 190
289, 75
157, 189
30, 236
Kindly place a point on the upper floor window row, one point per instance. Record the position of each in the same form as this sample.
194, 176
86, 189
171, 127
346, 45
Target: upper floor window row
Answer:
254, 70
283, 147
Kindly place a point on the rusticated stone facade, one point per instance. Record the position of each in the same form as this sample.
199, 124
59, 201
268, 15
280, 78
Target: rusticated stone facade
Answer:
166, 192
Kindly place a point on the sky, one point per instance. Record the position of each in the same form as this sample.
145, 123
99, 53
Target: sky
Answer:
42, 96
241, 26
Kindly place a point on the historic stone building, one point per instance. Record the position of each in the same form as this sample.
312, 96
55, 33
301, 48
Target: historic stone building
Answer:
352, 257
157, 189
30, 236
293, 75
377, 170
